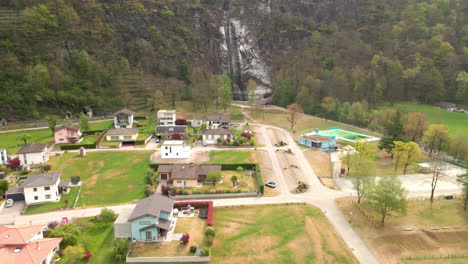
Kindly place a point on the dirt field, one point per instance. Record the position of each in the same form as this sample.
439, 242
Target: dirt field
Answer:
267, 172
197, 157
258, 136
291, 173
275, 136
391, 243
276, 234
320, 162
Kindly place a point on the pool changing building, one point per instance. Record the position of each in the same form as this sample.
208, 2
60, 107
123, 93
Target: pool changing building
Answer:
317, 141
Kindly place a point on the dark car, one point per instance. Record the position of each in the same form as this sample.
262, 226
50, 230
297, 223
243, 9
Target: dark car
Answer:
270, 184
203, 213
448, 197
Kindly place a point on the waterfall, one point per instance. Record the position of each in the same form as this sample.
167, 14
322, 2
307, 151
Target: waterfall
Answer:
241, 57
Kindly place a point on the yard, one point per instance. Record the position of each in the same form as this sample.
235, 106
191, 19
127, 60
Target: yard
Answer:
391, 242
185, 110
194, 226
233, 157
455, 122
111, 177
89, 140
97, 238
66, 201
9, 141
276, 234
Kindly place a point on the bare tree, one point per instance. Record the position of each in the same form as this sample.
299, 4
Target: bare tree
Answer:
295, 113
437, 165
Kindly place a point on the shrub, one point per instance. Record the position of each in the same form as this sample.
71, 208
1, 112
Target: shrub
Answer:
176, 136
219, 141
46, 167
107, 215
206, 251
88, 255
196, 192
66, 201
235, 143
69, 234
120, 249
52, 224
246, 135
181, 122
240, 169
193, 249
185, 239
74, 253
209, 240
148, 190
185, 192
164, 190
210, 231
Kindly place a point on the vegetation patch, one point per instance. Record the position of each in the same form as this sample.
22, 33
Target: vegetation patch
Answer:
108, 177
66, 201
233, 156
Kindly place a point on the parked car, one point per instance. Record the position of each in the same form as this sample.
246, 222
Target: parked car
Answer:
64, 221
9, 203
271, 184
203, 213
448, 197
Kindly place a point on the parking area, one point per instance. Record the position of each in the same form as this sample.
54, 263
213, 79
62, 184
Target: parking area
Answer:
15, 210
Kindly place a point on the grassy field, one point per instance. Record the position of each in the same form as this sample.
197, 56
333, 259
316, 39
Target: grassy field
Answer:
185, 110
391, 242
111, 177
96, 237
307, 123
194, 226
233, 156
276, 234
455, 122
8, 140
40, 208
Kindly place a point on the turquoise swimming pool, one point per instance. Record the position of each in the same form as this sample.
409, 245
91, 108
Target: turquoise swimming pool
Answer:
344, 134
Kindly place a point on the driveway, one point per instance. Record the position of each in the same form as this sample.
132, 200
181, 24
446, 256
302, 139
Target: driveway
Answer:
8, 215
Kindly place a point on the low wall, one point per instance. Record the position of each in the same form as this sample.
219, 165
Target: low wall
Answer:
214, 195
193, 259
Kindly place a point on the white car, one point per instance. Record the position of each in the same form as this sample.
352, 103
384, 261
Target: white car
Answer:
9, 203
271, 184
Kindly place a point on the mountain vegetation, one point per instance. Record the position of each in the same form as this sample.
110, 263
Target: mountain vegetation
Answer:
345, 57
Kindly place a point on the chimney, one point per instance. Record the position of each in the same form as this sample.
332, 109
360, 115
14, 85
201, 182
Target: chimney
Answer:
37, 245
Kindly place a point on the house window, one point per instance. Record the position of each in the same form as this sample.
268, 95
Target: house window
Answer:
47, 188
61, 139
34, 189
127, 137
36, 197
145, 223
48, 196
179, 182
148, 235
167, 154
114, 137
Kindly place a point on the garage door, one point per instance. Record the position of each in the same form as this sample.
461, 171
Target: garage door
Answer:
15, 196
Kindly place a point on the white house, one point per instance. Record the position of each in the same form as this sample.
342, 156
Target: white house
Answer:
211, 136
175, 149
123, 118
166, 118
26, 244
218, 121
3, 157
35, 153
44, 188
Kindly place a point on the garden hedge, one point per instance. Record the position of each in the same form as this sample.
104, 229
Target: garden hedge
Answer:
92, 132
197, 205
140, 118
77, 146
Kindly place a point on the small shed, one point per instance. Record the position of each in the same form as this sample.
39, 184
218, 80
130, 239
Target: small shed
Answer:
82, 152
122, 228
68, 115
3, 121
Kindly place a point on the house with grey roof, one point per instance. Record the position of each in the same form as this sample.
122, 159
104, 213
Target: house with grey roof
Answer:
215, 121
41, 188
123, 118
32, 154
151, 220
185, 175
122, 134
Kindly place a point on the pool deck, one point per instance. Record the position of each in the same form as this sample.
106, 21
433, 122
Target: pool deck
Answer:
364, 137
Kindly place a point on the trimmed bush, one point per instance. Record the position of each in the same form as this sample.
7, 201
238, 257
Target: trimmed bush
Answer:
210, 231
107, 215
185, 239
193, 249
206, 251
209, 240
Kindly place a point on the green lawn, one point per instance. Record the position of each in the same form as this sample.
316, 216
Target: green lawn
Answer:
276, 234
109, 177
233, 156
96, 237
8, 140
40, 208
102, 125
455, 122
89, 140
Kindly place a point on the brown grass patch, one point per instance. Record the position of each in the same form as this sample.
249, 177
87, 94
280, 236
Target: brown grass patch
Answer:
91, 181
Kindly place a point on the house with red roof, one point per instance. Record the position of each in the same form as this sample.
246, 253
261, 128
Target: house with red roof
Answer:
25, 244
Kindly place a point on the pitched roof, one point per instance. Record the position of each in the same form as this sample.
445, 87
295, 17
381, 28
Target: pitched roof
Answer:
32, 148
219, 131
44, 179
187, 171
18, 234
33, 253
222, 118
73, 127
124, 111
152, 206
122, 131
16, 189
171, 129
318, 138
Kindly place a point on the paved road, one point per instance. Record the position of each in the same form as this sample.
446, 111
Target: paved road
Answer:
37, 128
